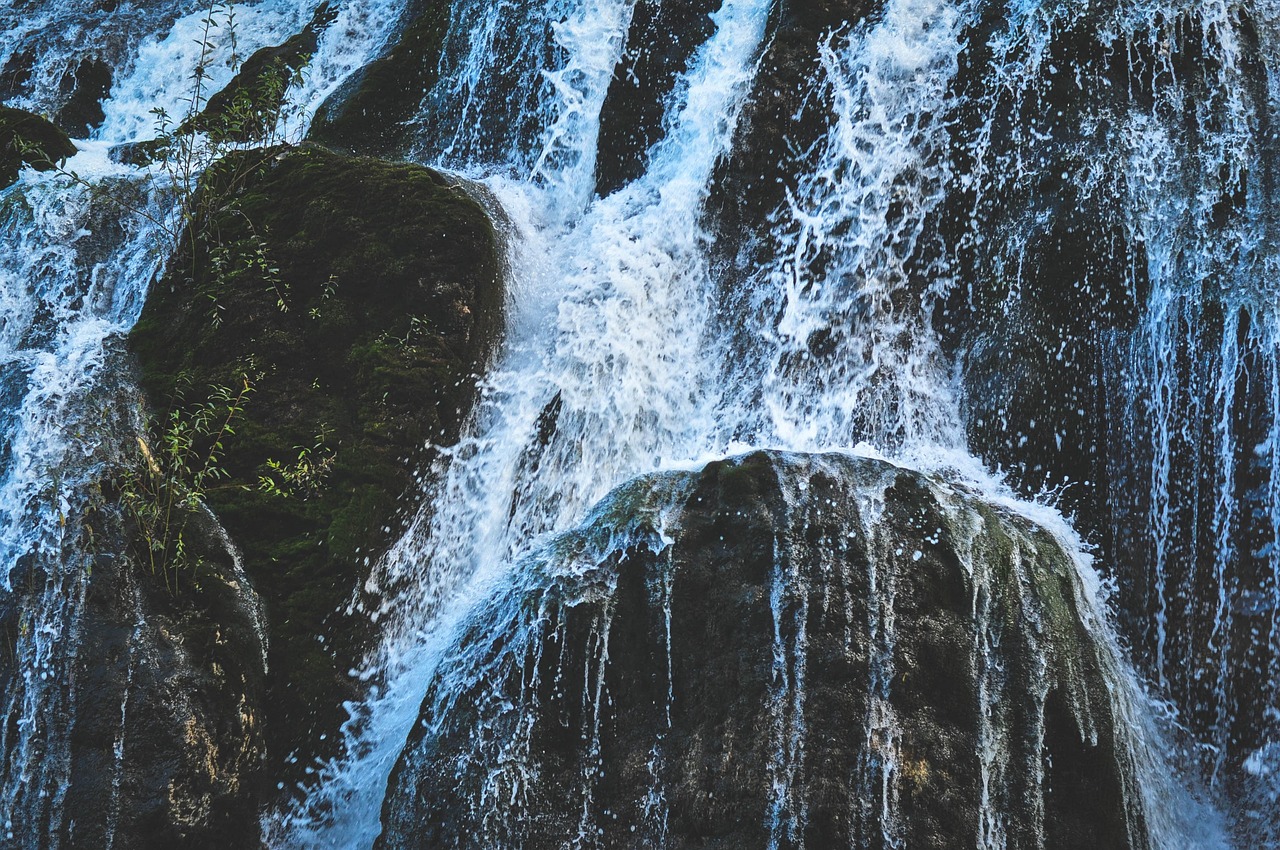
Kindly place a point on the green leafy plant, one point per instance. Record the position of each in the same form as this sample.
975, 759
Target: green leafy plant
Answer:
164, 482
303, 476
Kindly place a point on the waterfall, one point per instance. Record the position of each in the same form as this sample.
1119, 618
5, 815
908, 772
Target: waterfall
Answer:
1027, 248
600, 284
626, 349
78, 255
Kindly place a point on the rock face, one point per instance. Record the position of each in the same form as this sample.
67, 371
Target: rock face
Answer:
774, 651
247, 109
27, 139
159, 741
168, 747
781, 124
661, 40
369, 112
359, 298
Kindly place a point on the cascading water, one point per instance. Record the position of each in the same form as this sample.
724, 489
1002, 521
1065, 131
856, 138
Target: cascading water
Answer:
621, 321
607, 281
78, 255
975, 161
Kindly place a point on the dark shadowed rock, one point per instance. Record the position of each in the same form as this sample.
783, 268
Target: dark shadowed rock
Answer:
247, 108
167, 745
781, 125
27, 139
360, 298
662, 38
369, 113
163, 670
1049, 274
84, 87
778, 650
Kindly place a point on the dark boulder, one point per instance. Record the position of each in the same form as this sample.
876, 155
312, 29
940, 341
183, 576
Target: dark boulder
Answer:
660, 42
27, 139
359, 298
780, 129
1049, 277
152, 734
85, 87
247, 108
371, 112
783, 651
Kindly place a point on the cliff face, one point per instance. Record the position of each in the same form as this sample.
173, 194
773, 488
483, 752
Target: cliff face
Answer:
774, 651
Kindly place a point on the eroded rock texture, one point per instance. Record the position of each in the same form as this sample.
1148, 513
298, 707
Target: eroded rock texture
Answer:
775, 651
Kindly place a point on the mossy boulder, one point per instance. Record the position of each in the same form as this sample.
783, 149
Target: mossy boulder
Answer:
778, 650
29, 139
359, 298
370, 112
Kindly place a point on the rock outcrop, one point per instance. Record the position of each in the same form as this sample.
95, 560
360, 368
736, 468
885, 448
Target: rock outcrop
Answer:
168, 744
359, 298
778, 650
29, 140
370, 112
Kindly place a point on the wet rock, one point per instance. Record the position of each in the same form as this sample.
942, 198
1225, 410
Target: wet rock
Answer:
370, 112
167, 746
778, 650
15, 76
662, 39
246, 110
360, 298
1050, 279
780, 125
84, 88
29, 140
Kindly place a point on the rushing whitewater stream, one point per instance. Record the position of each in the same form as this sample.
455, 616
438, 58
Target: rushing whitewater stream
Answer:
1027, 248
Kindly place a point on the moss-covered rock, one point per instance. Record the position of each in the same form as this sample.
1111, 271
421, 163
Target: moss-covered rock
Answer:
778, 651
359, 298
28, 139
368, 114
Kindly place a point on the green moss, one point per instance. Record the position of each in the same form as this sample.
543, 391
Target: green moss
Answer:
28, 139
360, 297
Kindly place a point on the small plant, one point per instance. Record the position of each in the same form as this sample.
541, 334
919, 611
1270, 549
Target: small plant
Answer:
165, 482
305, 475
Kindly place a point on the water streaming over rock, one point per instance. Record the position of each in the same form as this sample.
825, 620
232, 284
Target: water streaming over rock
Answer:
965, 235
77, 258
933, 116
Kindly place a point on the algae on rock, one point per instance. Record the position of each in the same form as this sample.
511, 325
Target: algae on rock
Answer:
778, 650
361, 298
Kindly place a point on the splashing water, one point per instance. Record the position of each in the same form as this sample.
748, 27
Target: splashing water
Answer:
616, 361
620, 359
78, 258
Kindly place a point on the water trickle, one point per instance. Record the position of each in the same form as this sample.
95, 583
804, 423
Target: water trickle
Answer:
78, 256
